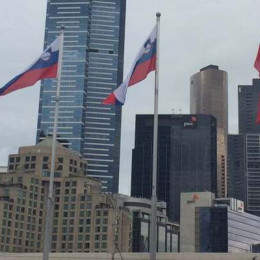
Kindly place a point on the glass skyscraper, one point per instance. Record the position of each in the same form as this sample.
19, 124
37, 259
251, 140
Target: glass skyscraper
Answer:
187, 158
92, 68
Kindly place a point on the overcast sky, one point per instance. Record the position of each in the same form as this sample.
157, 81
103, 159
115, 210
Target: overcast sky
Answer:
194, 34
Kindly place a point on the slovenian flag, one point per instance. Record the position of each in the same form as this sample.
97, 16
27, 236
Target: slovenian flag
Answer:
257, 66
144, 63
46, 66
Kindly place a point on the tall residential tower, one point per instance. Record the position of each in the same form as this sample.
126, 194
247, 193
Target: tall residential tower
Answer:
209, 95
92, 68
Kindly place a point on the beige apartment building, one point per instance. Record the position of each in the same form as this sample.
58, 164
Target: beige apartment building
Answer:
209, 95
84, 219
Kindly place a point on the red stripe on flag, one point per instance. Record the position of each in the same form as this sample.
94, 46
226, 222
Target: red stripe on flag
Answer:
111, 99
142, 70
30, 77
257, 61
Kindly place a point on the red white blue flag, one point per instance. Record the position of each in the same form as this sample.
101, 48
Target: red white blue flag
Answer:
46, 66
257, 66
144, 63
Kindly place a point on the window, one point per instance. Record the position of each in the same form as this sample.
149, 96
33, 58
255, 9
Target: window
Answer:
104, 229
97, 229
104, 245
80, 229
87, 229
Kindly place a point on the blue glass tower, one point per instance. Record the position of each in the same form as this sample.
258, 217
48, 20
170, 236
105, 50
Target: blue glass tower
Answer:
92, 68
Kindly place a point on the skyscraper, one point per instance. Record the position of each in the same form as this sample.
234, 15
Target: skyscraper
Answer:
92, 68
248, 96
209, 95
186, 158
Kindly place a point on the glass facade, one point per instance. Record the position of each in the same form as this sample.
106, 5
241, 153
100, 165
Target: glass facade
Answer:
248, 96
253, 173
145, 226
186, 158
220, 229
236, 167
92, 68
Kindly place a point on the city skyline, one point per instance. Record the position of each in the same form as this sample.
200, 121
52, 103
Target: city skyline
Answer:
188, 42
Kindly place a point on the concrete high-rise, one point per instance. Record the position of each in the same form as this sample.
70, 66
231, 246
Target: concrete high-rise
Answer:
187, 159
84, 218
92, 68
209, 95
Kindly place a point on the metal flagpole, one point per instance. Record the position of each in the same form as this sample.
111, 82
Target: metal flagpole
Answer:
153, 228
49, 211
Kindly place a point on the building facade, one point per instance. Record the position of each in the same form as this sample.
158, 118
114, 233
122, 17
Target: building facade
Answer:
84, 219
92, 68
140, 209
209, 95
248, 97
236, 185
223, 229
252, 170
186, 158
189, 202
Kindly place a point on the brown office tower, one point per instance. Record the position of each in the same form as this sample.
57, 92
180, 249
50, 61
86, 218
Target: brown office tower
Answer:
209, 95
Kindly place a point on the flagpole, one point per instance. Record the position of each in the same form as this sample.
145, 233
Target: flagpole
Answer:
49, 210
153, 228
